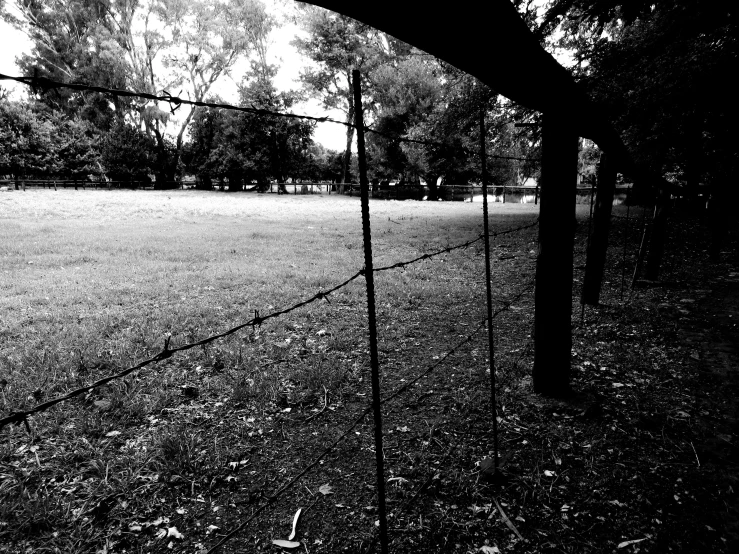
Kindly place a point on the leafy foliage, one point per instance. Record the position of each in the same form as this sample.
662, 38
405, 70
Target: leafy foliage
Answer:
37, 142
149, 46
337, 45
660, 70
128, 153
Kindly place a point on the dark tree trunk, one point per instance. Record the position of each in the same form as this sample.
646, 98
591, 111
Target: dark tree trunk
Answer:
204, 182
598, 247
433, 189
720, 207
346, 169
553, 295
235, 182
164, 178
659, 236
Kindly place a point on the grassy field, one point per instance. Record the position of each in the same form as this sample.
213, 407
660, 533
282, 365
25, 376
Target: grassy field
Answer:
175, 455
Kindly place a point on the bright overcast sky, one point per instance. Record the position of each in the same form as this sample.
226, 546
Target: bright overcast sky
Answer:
13, 43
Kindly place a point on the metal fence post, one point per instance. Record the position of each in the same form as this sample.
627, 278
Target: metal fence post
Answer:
369, 278
488, 284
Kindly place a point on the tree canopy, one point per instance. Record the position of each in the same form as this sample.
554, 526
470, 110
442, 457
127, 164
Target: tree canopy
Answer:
660, 71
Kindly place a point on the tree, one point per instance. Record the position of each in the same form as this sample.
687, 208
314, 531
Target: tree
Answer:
338, 44
36, 142
247, 147
72, 43
152, 46
435, 104
128, 154
659, 69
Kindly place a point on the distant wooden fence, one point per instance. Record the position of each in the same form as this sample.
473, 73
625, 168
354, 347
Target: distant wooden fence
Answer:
466, 193
76, 184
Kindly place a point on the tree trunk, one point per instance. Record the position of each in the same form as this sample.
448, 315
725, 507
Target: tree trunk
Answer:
346, 177
235, 182
598, 247
164, 174
553, 295
720, 207
659, 236
433, 189
204, 183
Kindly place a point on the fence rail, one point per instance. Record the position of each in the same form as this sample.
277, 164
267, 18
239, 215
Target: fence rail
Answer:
455, 192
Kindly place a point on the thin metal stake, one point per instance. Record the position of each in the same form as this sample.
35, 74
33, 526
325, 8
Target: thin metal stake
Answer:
587, 249
369, 278
626, 240
488, 286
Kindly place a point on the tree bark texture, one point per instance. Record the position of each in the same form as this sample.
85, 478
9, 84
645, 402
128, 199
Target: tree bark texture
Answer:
554, 272
346, 177
596, 260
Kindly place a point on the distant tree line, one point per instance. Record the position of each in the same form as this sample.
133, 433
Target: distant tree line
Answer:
658, 68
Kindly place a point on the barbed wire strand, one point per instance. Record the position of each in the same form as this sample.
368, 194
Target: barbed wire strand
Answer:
452, 248
273, 498
167, 352
36, 82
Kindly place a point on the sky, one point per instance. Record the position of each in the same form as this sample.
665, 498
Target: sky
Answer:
13, 43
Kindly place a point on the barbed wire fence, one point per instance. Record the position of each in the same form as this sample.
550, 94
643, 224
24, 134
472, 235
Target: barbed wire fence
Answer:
21, 417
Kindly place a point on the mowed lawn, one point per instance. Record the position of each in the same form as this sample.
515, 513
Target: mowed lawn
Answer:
95, 281
176, 455
98, 275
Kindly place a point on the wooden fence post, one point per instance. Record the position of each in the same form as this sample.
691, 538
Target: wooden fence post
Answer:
598, 246
488, 286
554, 272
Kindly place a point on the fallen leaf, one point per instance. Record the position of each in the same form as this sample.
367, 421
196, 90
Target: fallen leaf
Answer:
489, 550
295, 524
507, 521
173, 532
627, 543
617, 385
113, 434
548, 473
325, 489
286, 544
102, 405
